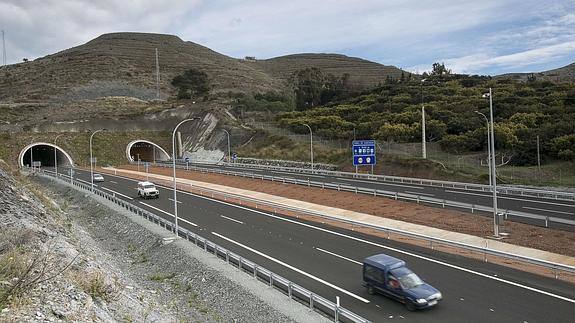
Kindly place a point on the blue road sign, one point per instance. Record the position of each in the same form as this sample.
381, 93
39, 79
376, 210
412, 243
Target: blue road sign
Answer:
363, 152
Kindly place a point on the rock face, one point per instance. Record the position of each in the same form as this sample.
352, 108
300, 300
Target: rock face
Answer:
92, 263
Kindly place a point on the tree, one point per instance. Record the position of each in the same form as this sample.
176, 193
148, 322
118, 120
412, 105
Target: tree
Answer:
439, 69
193, 83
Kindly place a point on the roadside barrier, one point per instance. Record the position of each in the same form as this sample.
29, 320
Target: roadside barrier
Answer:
292, 290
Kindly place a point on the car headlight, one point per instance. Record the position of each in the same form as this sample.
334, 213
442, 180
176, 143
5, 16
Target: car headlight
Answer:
421, 301
438, 296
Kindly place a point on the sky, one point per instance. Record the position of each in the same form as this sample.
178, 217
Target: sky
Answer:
486, 37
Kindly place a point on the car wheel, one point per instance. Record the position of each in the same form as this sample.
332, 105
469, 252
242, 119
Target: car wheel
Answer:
410, 306
370, 290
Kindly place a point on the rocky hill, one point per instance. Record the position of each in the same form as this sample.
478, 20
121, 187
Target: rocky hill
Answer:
562, 74
123, 64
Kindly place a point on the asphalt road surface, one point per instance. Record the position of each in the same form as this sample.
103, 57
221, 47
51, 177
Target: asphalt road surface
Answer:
527, 204
328, 260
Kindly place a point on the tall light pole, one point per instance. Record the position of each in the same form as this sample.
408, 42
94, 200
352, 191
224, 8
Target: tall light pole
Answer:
229, 148
310, 143
55, 155
423, 148
92, 159
488, 144
174, 171
493, 171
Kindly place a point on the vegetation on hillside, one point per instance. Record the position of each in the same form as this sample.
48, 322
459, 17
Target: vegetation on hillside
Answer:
392, 111
193, 83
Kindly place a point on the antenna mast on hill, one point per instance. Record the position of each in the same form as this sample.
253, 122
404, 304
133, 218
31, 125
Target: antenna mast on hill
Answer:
3, 50
157, 77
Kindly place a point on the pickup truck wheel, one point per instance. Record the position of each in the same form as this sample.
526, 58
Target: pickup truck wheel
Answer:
370, 290
410, 306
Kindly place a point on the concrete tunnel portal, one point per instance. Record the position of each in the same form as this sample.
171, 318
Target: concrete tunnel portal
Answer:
146, 151
43, 153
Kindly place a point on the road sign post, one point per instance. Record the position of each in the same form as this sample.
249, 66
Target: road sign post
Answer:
363, 153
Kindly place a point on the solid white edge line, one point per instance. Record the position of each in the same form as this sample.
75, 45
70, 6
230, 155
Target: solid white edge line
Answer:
553, 211
389, 248
418, 193
170, 214
292, 268
510, 198
400, 251
228, 218
339, 256
117, 193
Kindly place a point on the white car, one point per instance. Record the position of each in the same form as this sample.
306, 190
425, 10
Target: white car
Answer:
98, 178
148, 190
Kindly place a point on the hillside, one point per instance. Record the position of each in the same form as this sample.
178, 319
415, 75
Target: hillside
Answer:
562, 74
363, 73
123, 64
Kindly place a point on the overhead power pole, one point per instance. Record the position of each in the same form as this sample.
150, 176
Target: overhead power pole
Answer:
3, 50
157, 76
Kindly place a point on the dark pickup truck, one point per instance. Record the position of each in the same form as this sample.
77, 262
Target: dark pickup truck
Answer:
389, 276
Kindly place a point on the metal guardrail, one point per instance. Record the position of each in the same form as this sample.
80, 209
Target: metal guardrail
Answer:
556, 267
556, 195
292, 290
544, 220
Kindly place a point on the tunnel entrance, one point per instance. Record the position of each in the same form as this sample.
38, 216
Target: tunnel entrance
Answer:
43, 153
145, 151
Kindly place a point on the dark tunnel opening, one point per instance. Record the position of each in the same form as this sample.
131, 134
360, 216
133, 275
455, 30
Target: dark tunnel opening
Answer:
44, 154
147, 152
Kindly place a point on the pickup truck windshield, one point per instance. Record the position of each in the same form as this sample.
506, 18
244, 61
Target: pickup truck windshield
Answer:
149, 187
410, 281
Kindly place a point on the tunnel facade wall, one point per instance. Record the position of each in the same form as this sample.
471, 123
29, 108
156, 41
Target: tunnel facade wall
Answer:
48, 155
146, 150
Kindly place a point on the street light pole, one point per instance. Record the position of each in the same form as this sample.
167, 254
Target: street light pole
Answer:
174, 172
423, 144
488, 144
229, 149
493, 170
55, 155
92, 160
311, 144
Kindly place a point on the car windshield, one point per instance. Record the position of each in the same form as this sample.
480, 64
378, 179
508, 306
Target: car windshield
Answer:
98, 175
410, 281
148, 187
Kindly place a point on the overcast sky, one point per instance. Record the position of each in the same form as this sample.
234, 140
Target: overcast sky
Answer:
470, 36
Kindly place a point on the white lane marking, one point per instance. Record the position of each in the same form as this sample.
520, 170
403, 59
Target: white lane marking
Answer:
173, 200
419, 193
81, 180
534, 208
292, 268
380, 183
228, 218
339, 256
399, 251
117, 193
297, 174
512, 198
385, 247
113, 182
170, 214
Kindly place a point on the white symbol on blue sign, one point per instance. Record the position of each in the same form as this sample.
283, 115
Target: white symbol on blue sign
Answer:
360, 160
367, 160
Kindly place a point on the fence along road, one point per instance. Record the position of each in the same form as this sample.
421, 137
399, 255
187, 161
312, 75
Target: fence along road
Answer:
325, 260
541, 212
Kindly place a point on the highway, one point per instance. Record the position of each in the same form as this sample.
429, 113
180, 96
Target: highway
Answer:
528, 204
327, 261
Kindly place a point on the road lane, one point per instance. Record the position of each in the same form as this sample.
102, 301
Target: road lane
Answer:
296, 244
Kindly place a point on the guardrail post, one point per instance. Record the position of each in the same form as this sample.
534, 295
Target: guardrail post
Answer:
356, 190
555, 272
547, 221
289, 290
240, 263
322, 185
227, 256
338, 187
431, 244
255, 271
271, 279
311, 300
